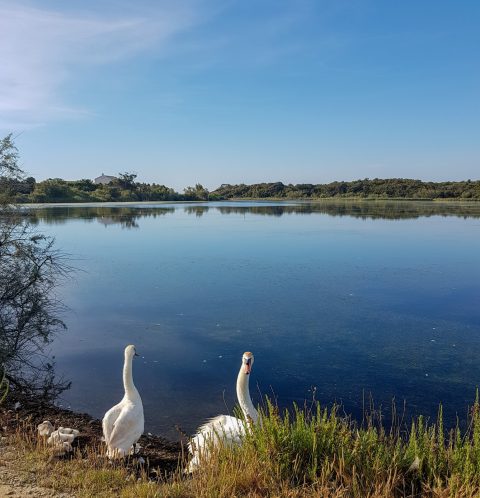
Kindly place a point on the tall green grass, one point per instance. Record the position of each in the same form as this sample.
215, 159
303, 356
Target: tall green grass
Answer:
318, 446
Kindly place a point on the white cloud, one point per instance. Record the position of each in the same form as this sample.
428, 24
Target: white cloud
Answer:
41, 50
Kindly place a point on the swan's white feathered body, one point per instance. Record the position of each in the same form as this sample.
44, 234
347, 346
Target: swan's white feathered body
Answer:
232, 429
225, 428
123, 424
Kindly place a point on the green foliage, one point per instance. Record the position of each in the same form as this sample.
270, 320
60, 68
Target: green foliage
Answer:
9, 159
10, 172
125, 188
393, 188
305, 446
197, 193
84, 190
126, 180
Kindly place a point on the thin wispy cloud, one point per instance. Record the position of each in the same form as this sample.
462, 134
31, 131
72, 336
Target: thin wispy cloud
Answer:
42, 50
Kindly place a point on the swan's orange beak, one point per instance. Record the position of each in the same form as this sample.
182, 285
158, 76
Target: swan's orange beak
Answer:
248, 366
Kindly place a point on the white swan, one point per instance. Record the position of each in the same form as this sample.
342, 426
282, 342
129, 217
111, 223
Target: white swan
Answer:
226, 428
123, 423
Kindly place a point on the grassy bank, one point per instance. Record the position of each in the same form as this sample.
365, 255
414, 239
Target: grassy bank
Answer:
307, 452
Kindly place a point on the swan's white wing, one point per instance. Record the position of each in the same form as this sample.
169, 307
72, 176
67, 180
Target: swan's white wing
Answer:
225, 427
230, 430
109, 420
128, 428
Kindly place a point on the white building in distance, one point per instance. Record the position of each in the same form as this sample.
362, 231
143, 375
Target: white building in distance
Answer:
104, 179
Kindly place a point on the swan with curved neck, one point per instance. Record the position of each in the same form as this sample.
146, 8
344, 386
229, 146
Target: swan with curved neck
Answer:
123, 424
225, 428
243, 390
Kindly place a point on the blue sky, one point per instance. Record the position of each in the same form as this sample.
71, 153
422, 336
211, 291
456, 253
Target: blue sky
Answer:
228, 91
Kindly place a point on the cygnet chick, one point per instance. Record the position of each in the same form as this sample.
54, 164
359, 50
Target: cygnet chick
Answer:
45, 428
62, 435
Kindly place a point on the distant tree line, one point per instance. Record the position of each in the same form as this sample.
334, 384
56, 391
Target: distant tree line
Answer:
125, 188
393, 188
121, 189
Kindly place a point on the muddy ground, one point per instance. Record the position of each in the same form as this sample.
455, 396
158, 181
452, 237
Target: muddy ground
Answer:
160, 455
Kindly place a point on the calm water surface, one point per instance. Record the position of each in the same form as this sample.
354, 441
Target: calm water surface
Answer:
337, 298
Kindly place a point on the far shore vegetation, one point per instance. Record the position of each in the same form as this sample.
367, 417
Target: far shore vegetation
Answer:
125, 188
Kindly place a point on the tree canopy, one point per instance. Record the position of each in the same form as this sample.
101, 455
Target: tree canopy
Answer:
391, 188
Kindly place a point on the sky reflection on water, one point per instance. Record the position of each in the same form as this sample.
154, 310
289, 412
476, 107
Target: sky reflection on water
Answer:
346, 298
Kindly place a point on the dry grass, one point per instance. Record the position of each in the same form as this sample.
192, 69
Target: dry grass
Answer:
305, 453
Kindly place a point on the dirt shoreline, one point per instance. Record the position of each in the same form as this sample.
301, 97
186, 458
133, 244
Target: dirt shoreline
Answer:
160, 454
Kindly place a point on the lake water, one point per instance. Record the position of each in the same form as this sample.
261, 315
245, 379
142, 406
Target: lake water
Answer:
339, 299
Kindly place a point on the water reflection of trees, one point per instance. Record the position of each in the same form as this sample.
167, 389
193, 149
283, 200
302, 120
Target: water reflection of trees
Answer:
365, 210
198, 211
128, 216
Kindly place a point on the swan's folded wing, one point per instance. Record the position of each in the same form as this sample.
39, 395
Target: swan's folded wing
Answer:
230, 429
127, 429
109, 421
225, 427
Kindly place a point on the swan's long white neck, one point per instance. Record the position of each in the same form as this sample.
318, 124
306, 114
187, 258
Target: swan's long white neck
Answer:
243, 395
130, 389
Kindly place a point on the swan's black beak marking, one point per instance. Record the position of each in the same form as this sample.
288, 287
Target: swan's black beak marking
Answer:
248, 366
136, 354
